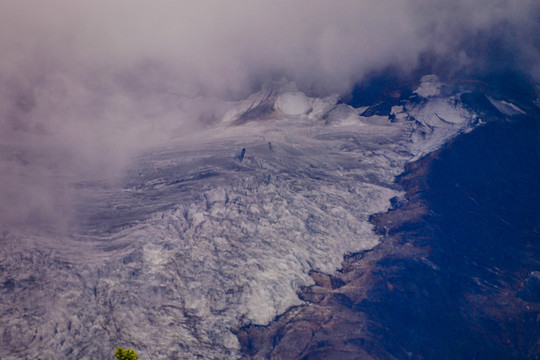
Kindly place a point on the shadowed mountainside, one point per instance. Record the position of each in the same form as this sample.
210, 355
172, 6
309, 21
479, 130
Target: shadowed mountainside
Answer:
456, 276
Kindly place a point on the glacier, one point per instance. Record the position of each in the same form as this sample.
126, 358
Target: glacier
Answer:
195, 241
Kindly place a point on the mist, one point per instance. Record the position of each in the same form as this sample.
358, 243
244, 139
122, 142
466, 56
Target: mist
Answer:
86, 85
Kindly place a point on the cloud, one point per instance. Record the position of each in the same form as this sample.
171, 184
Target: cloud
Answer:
222, 46
84, 85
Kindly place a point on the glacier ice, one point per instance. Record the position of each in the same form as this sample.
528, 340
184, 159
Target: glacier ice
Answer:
193, 243
293, 103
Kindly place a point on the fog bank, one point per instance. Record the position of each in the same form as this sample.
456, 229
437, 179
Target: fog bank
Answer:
85, 85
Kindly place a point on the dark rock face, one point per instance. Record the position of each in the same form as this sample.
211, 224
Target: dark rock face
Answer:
457, 275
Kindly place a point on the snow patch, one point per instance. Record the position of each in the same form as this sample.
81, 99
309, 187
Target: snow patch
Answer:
439, 120
438, 110
505, 107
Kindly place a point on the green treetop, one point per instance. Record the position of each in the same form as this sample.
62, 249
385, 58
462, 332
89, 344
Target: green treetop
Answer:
127, 354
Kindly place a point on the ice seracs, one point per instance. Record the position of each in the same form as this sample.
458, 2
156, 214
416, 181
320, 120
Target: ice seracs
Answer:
279, 100
429, 86
194, 242
398, 113
342, 115
293, 103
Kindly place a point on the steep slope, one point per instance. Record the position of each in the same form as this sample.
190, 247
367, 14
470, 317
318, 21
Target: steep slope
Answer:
456, 273
219, 229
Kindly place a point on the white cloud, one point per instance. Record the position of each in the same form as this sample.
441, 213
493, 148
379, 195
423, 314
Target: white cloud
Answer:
85, 84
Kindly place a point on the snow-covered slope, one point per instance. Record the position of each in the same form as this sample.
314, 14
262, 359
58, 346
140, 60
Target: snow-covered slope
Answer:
217, 229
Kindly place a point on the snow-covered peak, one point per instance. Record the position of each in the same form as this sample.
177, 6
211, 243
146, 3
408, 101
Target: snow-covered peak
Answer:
279, 100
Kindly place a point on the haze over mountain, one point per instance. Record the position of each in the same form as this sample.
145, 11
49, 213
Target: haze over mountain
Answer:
87, 84
172, 174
